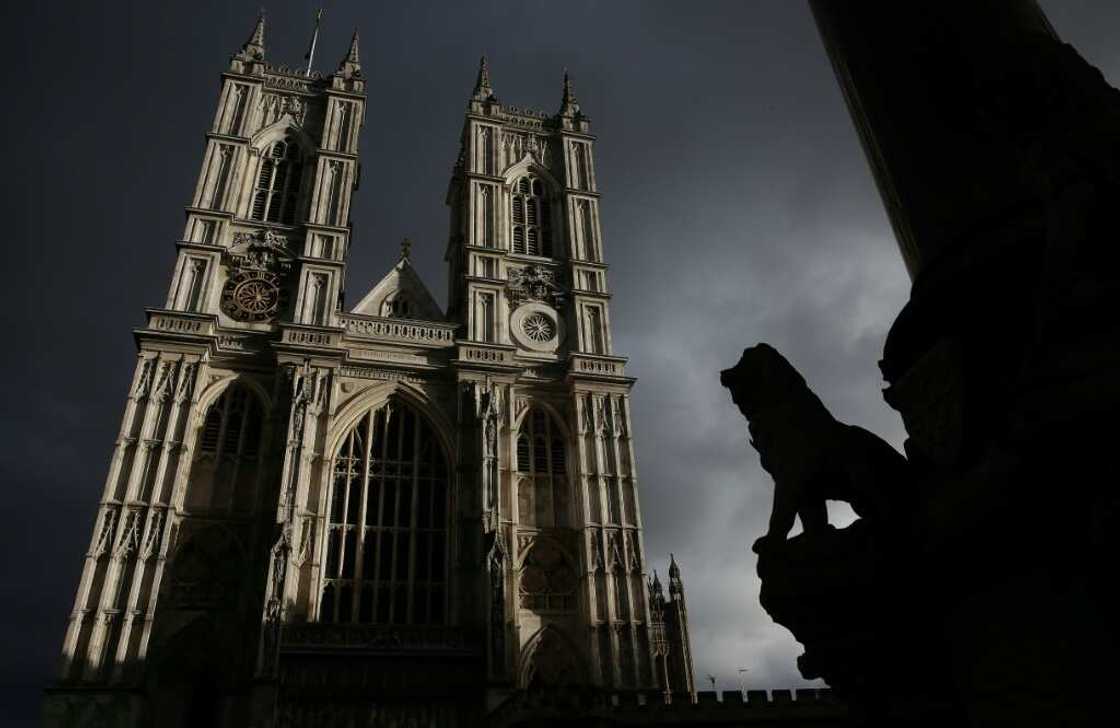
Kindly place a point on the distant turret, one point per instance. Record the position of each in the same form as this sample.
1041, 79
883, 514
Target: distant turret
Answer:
483, 91
568, 104
351, 66
672, 651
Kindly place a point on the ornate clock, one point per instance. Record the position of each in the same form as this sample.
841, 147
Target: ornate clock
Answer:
252, 296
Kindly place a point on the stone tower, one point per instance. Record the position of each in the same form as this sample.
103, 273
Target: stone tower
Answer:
672, 649
558, 500
382, 514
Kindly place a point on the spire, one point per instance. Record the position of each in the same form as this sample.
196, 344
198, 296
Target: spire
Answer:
351, 65
352, 54
676, 586
568, 104
483, 91
253, 50
406, 249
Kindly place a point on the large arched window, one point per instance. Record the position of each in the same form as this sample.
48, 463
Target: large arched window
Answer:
542, 481
227, 459
276, 194
386, 558
532, 230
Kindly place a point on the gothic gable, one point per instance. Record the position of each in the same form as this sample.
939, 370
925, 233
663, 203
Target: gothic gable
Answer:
400, 294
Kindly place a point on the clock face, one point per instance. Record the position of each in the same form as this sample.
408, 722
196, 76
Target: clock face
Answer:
252, 296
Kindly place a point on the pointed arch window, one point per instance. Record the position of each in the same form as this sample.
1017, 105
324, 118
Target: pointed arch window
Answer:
227, 458
386, 555
531, 216
542, 494
276, 194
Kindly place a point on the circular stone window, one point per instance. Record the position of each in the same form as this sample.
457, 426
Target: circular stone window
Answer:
537, 327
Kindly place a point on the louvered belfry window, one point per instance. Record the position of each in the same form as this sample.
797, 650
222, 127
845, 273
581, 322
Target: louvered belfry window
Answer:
276, 194
532, 231
386, 556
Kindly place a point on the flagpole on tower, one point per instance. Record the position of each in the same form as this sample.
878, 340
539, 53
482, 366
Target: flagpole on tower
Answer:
314, 41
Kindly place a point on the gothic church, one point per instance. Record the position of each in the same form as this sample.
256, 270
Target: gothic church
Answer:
387, 515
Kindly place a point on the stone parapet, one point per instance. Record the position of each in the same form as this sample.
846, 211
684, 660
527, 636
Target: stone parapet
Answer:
376, 328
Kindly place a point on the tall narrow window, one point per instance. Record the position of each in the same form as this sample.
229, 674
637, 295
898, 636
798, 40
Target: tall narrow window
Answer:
275, 197
221, 175
386, 558
345, 124
240, 100
317, 299
194, 274
530, 215
486, 149
594, 333
542, 472
485, 318
334, 193
226, 462
486, 216
587, 230
583, 166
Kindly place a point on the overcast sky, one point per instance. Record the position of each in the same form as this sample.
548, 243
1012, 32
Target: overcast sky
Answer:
737, 208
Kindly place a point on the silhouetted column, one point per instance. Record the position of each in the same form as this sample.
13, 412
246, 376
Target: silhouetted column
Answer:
917, 77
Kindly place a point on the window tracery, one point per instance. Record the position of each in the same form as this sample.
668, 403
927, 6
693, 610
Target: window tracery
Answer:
548, 581
541, 472
276, 194
531, 216
386, 554
227, 457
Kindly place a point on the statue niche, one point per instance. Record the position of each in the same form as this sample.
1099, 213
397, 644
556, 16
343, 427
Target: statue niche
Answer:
811, 456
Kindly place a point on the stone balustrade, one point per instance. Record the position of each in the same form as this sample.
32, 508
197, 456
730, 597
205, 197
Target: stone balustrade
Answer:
424, 333
180, 322
596, 365
310, 337
486, 354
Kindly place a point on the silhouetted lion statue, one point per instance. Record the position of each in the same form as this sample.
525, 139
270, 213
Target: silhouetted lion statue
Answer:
811, 456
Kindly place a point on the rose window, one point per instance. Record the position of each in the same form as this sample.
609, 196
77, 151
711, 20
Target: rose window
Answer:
539, 327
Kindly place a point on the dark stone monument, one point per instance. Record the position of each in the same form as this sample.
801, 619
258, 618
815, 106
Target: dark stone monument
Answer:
978, 586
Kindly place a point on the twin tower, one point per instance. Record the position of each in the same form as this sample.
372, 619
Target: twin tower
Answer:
388, 515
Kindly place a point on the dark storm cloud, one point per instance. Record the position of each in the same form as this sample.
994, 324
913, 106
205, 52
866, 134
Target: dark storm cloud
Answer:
737, 208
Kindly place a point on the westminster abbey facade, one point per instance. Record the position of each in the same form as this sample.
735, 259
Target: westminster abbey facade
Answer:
389, 514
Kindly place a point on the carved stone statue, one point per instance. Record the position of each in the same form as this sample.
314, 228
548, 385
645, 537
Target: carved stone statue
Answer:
811, 456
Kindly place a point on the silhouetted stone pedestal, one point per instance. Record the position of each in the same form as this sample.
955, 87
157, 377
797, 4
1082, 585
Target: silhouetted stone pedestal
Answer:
852, 600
